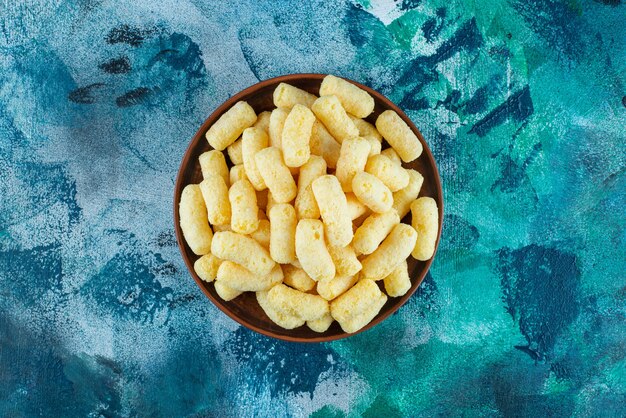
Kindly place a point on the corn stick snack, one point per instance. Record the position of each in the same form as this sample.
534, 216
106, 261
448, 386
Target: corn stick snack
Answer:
297, 278
230, 125
263, 121
358, 306
301, 205
215, 194
306, 205
206, 267
277, 122
398, 282
336, 287
253, 141
372, 192
220, 228
334, 210
238, 278
213, 163
394, 176
234, 152
352, 160
365, 128
426, 223
403, 198
392, 155
374, 230
345, 260
323, 144
262, 233
226, 292
244, 210
304, 305
394, 249
354, 99
194, 220
286, 95
242, 250
276, 174
375, 145
286, 320
296, 136
312, 252
399, 135
238, 172
355, 207
329, 111
321, 324
283, 223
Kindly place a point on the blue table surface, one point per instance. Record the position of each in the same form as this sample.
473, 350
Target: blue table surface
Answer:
523, 104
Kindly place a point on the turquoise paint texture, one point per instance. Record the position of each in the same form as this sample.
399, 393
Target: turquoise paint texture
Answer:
523, 104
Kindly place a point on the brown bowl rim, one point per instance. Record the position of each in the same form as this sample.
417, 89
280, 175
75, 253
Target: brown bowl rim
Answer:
199, 135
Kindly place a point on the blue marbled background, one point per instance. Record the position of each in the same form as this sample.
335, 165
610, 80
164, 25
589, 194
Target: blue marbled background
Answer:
523, 103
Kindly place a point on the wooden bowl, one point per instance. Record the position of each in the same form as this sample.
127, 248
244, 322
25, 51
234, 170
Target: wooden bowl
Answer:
245, 309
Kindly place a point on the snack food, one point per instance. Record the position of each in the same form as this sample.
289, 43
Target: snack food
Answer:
375, 145
403, 198
398, 282
276, 174
244, 209
352, 160
337, 286
393, 250
237, 172
372, 192
329, 111
365, 128
321, 324
215, 194
242, 250
213, 163
239, 278
399, 135
334, 210
263, 121
297, 278
374, 230
309, 215
355, 100
345, 260
392, 155
358, 306
286, 95
355, 207
312, 252
306, 205
234, 152
276, 124
425, 222
226, 292
286, 320
253, 141
296, 136
194, 220
206, 267
230, 125
323, 143
304, 305
283, 223
262, 233
393, 175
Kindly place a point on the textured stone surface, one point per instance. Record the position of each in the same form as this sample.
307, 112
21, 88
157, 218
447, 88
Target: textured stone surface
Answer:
523, 104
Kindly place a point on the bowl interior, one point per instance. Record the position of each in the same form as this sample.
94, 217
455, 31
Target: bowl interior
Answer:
245, 309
